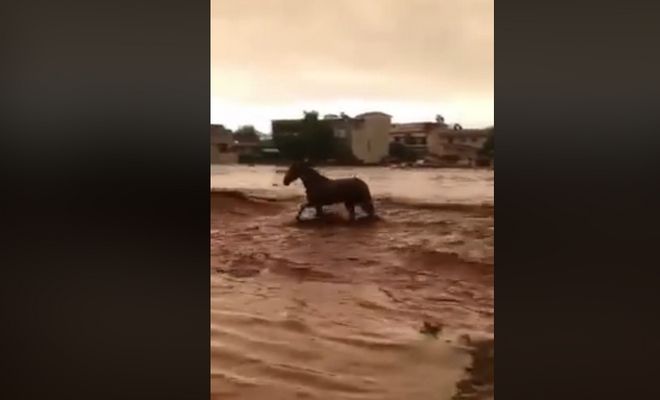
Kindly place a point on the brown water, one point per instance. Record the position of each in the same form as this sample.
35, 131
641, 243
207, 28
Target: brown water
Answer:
331, 310
437, 186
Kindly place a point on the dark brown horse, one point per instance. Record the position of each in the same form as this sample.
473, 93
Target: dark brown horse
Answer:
323, 191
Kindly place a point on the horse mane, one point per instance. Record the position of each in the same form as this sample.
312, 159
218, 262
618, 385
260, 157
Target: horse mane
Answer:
308, 172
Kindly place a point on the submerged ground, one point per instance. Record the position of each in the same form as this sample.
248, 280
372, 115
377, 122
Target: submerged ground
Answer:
331, 310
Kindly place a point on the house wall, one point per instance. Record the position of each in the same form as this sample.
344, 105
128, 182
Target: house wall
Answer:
370, 140
222, 146
435, 144
462, 146
220, 157
444, 142
415, 135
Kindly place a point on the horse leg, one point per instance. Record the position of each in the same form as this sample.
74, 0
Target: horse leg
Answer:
368, 207
302, 208
351, 210
319, 211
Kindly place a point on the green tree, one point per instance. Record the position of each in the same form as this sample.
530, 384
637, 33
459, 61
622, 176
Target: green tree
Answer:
307, 138
291, 146
318, 137
246, 133
397, 150
488, 149
343, 152
400, 152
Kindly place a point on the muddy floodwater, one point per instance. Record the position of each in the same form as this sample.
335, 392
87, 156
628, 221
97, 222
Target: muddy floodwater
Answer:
327, 309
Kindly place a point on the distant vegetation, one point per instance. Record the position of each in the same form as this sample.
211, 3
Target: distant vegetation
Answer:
314, 139
400, 152
246, 133
310, 138
488, 149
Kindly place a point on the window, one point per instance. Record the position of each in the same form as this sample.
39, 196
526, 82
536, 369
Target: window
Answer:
223, 147
450, 140
422, 140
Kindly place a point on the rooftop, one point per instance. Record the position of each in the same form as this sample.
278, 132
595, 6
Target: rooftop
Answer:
464, 133
373, 113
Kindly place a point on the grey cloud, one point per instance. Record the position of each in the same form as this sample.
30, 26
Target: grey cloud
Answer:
421, 50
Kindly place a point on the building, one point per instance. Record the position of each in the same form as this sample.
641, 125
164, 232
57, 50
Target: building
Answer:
222, 146
366, 136
370, 137
247, 146
457, 147
413, 136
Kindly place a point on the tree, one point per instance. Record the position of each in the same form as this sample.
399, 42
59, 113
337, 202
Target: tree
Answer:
343, 152
400, 152
307, 138
488, 149
246, 133
397, 150
290, 146
318, 137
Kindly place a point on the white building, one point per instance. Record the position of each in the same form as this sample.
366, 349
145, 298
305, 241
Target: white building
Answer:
370, 137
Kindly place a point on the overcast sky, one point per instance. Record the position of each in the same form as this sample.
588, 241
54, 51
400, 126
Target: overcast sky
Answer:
410, 58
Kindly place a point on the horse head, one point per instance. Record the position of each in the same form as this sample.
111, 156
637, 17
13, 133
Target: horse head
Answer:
294, 172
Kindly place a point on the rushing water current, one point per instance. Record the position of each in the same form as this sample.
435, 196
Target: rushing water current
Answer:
329, 309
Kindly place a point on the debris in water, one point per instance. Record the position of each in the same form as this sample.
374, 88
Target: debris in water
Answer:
465, 339
431, 328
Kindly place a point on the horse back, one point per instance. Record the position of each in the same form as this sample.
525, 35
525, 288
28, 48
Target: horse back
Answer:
353, 190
